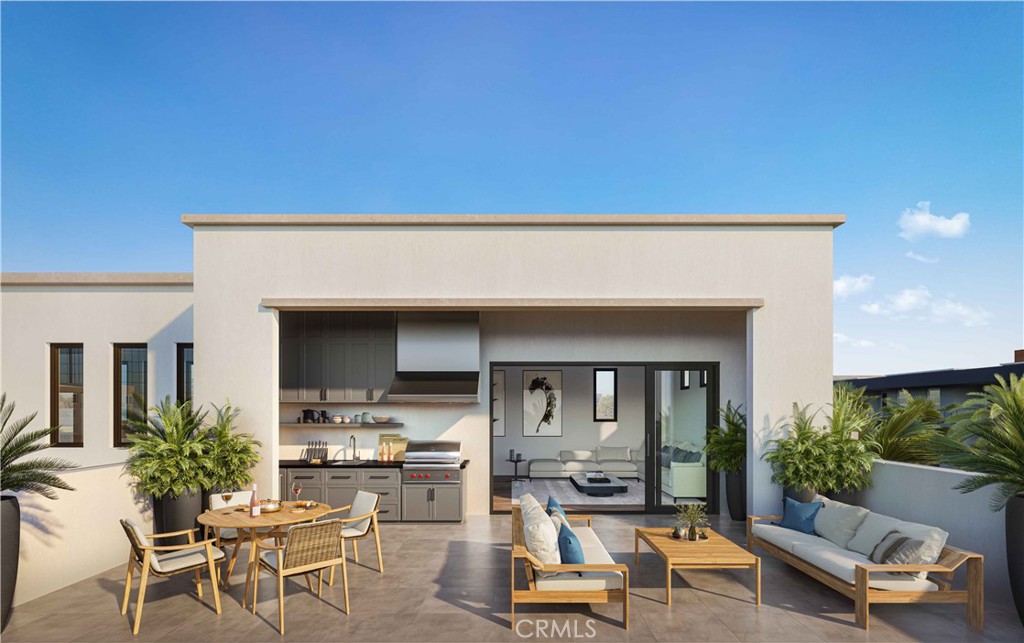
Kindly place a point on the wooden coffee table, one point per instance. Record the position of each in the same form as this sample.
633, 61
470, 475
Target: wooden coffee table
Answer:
717, 552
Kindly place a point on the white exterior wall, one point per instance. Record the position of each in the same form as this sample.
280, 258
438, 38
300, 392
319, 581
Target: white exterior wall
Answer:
78, 535
787, 357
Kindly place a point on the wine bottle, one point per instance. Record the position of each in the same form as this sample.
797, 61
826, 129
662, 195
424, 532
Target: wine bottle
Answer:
254, 503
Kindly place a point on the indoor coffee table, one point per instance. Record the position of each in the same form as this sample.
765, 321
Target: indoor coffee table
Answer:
597, 484
717, 552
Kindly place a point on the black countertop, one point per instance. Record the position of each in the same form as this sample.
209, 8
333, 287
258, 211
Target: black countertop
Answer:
368, 464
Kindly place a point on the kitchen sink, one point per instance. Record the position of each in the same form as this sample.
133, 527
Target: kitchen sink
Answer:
347, 463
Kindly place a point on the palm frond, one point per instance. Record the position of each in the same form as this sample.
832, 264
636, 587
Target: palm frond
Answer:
18, 474
906, 430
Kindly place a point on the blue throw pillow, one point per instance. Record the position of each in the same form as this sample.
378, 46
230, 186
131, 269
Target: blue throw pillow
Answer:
799, 515
569, 547
553, 506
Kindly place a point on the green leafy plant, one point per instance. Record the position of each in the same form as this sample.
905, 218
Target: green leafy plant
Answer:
987, 437
34, 476
727, 443
851, 413
906, 431
233, 455
820, 459
693, 514
170, 452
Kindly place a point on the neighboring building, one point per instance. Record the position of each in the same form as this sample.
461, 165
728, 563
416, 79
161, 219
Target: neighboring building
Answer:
945, 387
742, 303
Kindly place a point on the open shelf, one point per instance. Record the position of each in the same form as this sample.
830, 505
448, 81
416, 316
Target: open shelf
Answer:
350, 425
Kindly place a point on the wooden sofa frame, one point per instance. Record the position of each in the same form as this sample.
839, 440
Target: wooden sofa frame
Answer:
531, 564
940, 573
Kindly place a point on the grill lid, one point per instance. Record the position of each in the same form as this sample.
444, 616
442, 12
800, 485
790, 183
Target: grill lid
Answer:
433, 452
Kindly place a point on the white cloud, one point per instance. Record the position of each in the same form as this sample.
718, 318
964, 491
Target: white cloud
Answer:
840, 338
920, 222
924, 306
910, 254
849, 285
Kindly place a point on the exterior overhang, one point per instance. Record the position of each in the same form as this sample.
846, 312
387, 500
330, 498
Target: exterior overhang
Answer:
513, 304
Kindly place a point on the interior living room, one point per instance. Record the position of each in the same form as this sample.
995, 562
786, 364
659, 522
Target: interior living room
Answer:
605, 437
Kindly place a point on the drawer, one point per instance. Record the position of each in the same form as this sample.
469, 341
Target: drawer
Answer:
387, 494
380, 477
389, 513
306, 476
341, 478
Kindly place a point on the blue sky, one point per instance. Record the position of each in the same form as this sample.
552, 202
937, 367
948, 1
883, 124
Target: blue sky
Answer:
119, 117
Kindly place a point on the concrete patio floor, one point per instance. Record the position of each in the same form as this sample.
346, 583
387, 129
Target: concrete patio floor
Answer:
450, 583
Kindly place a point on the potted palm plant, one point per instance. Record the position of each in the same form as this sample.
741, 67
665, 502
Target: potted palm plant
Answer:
38, 475
232, 454
727, 451
987, 437
170, 458
906, 430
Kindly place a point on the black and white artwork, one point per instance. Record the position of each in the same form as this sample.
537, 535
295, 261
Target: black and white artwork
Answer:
542, 404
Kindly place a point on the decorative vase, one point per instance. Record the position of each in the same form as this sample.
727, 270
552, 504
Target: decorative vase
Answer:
691, 534
1015, 551
176, 514
736, 495
10, 549
677, 533
800, 495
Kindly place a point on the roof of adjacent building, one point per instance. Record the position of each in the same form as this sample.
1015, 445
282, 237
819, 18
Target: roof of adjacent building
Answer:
96, 278
587, 220
933, 379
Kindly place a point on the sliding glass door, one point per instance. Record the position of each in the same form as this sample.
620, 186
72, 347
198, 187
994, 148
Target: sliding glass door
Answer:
682, 401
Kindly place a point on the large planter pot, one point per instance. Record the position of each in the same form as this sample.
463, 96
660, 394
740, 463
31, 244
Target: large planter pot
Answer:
10, 548
176, 514
1015, 550
736, 495
800, 495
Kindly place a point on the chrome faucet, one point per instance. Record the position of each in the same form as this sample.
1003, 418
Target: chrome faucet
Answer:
352, 447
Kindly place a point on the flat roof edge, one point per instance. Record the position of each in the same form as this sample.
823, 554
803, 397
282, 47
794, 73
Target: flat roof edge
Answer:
96, 279
527, 220
510, 304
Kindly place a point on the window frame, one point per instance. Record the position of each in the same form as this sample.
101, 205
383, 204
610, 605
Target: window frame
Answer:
704, 379
684, 380
118, 426
615, 394
179, 374
54, 392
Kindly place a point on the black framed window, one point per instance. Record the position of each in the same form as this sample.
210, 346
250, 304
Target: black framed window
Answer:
66, 394
130, 362
684, 380
186, 372
703, 379
606, 394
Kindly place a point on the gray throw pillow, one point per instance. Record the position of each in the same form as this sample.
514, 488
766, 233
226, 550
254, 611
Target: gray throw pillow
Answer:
898, 549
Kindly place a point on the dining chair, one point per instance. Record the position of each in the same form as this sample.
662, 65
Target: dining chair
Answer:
167, 560
360, 520
311, 547
227, 536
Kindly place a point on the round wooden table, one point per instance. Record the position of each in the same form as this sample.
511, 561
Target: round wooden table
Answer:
237, 517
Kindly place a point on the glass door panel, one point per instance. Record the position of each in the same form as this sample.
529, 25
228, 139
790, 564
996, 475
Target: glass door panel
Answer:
678, 405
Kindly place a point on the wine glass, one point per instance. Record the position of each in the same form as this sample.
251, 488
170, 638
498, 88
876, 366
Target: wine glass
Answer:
296, 489
226, 497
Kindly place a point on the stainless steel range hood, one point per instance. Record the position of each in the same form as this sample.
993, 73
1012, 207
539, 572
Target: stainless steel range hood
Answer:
437, 358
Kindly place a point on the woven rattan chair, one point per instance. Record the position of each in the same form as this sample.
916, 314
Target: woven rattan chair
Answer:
310, 548
360, 520
167, 560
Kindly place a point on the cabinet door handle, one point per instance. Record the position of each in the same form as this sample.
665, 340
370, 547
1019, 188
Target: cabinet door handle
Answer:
303, 477
341, 477
369, 395
385, 511
378, 477
384, 493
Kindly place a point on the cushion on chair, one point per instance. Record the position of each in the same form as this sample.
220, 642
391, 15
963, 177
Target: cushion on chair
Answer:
566, 456
613, 453
594, 553
364, 503
799, 515
539, 532
898, 549
784, 539
554, 505
569, 548
526, 501
139, 534
838, 522
167, 562
842, 564
876, 526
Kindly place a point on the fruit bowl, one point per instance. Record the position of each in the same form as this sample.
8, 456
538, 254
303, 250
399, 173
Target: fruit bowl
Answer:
270, 506
381, 419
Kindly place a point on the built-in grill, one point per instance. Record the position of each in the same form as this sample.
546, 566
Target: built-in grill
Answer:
432, 462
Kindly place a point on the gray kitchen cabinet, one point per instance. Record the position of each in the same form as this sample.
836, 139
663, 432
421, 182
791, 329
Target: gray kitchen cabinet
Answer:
416, 504
336, 356
338, 497
312, 484
447, 503
337, 486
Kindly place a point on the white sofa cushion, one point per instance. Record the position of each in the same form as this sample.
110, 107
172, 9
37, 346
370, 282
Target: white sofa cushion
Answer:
613, 453
566, 456
838, 522
593, 553
539, 532
576, 466
618, 466
876, 526
783, 538
546, 465
842, 564
167, 562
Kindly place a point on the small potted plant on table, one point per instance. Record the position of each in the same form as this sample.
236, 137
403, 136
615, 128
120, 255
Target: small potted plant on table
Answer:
693, 518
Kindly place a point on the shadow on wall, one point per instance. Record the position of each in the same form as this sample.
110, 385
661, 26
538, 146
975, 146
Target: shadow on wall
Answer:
164, 344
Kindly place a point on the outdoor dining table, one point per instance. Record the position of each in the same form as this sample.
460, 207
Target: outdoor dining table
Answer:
237, 518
